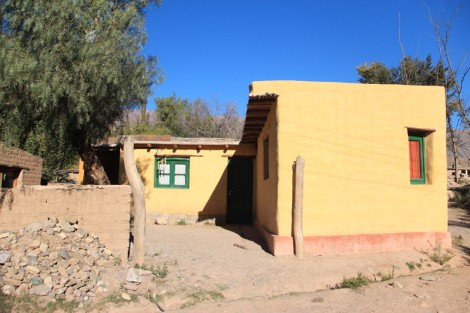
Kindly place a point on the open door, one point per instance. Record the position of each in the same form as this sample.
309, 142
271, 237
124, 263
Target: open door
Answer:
240, 191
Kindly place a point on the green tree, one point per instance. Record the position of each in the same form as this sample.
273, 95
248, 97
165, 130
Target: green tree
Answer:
169, 110
185, 118
413, 71
68, 71
410, 71
375, 73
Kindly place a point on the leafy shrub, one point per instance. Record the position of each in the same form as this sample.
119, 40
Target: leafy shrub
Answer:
437, 254
355, 282
462, 199
387, 276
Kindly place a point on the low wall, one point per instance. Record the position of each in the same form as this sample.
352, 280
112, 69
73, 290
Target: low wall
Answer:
102, 210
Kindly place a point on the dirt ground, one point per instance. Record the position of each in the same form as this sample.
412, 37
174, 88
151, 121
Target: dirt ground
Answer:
215, 269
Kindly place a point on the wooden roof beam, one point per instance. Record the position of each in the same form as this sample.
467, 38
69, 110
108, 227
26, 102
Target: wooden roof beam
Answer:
258, 107
248, 123
260, 113
251, 127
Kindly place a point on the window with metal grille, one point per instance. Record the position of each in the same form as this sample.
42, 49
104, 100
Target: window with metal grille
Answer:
171, 173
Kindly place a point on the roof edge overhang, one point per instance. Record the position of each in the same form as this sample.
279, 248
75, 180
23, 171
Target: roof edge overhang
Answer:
178, 143
257, 111
14, 166
186, 145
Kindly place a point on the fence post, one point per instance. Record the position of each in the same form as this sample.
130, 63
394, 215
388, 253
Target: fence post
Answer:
138, 194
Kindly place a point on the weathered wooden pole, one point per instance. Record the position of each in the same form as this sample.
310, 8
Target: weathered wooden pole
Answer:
138, 194
298, 207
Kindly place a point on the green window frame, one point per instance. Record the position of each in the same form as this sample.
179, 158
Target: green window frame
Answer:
421, 178
171, 173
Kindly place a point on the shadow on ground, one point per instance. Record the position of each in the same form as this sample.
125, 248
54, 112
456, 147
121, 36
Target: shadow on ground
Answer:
459, 225
464, 250
463, 221
247, 232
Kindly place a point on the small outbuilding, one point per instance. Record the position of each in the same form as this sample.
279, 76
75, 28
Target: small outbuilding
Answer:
375, 165
374, 177
18, 167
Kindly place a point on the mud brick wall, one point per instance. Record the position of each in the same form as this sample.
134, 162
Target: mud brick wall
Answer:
32, 165
102, 210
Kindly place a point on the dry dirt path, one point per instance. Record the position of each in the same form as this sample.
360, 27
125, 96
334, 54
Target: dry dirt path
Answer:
215, 269
226, 270
449, 293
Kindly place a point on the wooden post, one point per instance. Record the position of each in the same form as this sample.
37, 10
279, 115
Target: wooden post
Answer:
298, 207
138, 194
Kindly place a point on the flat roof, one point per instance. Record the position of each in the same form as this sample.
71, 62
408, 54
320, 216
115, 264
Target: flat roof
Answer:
157, 141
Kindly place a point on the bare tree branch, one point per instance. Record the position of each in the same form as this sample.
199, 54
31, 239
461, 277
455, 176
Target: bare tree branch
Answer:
403, 56
455, 102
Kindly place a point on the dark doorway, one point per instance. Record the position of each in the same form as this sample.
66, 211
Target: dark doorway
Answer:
110, 161
240, 191
9, 176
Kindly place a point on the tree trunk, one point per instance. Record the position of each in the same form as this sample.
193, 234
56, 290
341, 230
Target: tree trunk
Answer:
94, 173
456, 165
453, 144
298, 207
138, 194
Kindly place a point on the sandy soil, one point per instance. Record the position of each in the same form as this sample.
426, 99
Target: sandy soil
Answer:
215, 269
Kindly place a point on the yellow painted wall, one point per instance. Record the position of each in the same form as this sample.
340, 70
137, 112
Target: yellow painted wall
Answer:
207, 193
355, 144
266, 189
81, 172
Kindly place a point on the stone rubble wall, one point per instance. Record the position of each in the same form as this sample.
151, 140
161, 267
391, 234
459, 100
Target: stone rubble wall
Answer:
53, 258
14, 157
102, 210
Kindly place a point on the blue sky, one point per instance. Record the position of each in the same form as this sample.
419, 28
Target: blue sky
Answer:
213, 49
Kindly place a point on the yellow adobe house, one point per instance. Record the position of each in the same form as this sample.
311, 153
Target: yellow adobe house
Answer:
374, 178
197, 177
375, 165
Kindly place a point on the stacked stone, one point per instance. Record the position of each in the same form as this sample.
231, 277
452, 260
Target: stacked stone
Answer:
54, 259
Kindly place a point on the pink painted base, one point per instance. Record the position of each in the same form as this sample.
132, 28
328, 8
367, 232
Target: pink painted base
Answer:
361, 243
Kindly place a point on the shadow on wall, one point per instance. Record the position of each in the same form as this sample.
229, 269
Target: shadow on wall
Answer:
216, 205
142, 167
240, 209
293, 199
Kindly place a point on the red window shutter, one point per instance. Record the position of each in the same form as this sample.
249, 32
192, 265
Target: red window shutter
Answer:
415, 159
